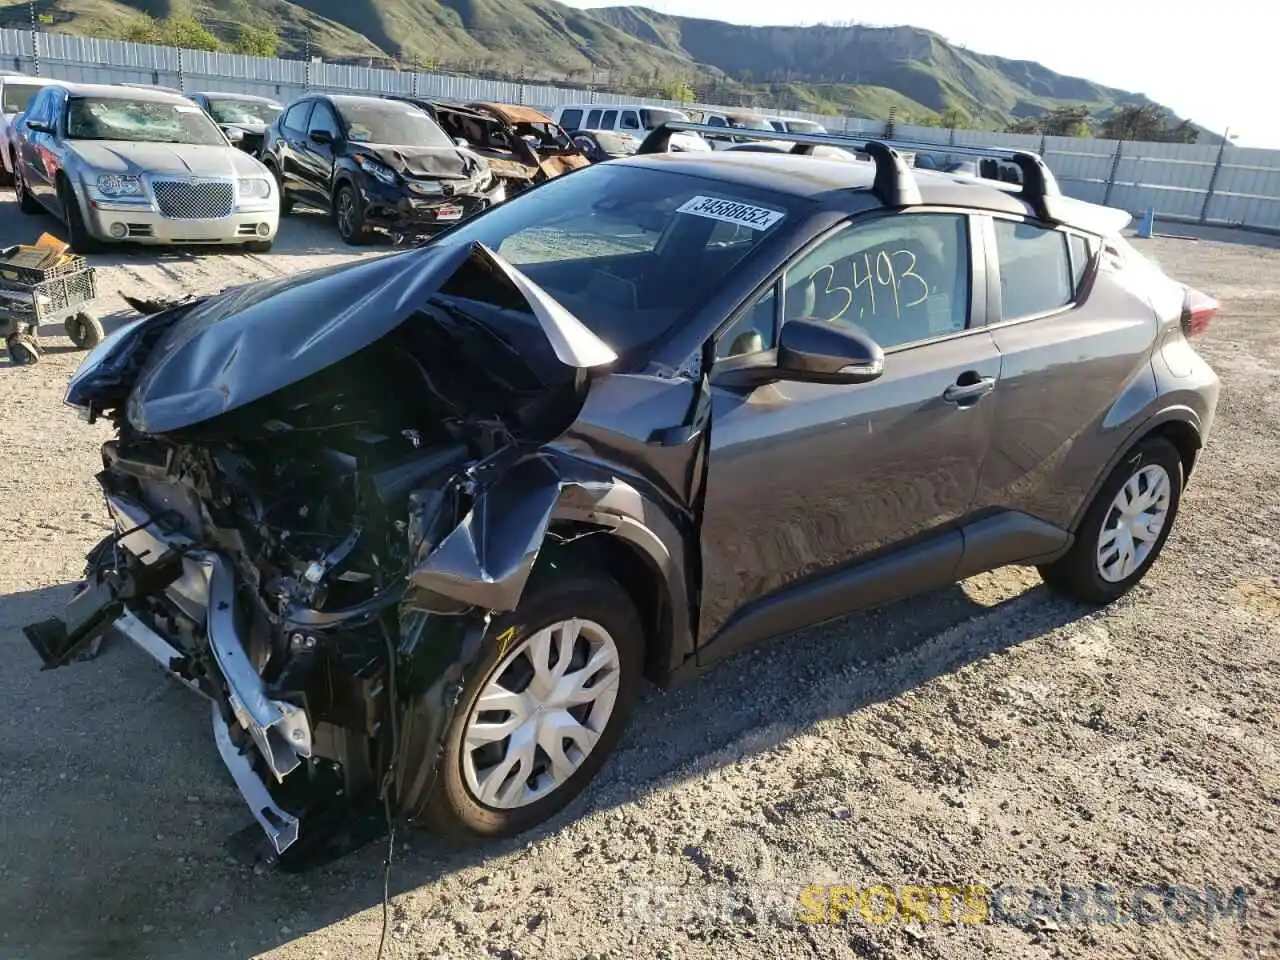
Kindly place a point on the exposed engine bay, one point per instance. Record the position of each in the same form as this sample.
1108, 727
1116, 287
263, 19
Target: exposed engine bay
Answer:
277, 556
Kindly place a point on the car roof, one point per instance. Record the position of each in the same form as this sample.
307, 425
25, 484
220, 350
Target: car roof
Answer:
511, 112
818, 178
343, 99
244, 97
106, 91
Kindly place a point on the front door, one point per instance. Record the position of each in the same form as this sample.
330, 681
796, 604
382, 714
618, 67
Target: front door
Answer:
805, 479
315, 157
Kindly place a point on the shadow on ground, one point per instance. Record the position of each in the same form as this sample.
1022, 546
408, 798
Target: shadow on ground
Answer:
117, 804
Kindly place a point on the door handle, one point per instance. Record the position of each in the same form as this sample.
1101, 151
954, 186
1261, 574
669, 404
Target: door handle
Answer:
968, 390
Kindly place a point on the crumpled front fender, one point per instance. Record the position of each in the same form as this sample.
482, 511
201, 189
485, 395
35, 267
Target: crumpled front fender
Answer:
486, 560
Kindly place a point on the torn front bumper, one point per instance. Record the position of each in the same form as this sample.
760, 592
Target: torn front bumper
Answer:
200, 586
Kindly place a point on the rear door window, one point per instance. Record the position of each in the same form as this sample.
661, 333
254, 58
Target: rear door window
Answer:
593, 120
1035, 270
1081, 254
609, 120
571, 119
18, 96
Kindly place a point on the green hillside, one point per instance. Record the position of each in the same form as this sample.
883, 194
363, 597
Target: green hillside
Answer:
853, 70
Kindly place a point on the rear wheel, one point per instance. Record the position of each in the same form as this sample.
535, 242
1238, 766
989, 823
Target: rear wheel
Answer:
541, 711
1126, 526
82, 241
23, 349
348, 214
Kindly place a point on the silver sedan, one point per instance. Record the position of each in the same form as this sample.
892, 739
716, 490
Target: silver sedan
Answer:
123, 164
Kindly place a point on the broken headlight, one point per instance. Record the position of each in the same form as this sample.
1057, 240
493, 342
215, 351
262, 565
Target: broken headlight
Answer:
378, 170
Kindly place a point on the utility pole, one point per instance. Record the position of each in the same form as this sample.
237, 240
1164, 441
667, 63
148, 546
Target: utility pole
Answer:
35, 37
1213, 178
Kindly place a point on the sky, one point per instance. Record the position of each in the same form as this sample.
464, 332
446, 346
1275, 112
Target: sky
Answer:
1214, 62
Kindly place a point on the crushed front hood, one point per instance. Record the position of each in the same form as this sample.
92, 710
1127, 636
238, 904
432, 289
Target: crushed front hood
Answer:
445, 163
245, 344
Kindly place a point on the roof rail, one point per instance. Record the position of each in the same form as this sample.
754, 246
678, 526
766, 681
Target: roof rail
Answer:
894, 184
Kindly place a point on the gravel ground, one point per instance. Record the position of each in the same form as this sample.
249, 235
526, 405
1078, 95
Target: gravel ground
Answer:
989, 735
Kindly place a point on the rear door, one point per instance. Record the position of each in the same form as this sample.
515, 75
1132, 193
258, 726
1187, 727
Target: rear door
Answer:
1075, 343
806, 480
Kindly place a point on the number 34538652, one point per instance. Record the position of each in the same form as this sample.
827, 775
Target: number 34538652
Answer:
890, 272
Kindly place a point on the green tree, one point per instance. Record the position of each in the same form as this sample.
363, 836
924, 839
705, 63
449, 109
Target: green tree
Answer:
676, 89
187, 32
257, 42
1148, 121
953, 118
141, 29
1066, 122
1028, 125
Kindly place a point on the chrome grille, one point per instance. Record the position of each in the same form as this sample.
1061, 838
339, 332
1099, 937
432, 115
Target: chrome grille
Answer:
199, 200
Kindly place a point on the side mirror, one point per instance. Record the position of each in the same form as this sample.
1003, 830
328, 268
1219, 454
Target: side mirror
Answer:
321, 136
39, 126
234, 134
461, 142
816, 351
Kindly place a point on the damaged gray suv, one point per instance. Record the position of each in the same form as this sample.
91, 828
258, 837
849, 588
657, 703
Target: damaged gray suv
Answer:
418, 527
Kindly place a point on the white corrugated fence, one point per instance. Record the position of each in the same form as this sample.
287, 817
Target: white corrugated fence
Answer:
1208, 184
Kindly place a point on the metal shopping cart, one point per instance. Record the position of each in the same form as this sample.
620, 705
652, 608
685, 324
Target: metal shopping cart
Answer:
33, 291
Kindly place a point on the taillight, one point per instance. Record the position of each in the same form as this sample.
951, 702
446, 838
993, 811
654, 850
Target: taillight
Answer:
1198, 310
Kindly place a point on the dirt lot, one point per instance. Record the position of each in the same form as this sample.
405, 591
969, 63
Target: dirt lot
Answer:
990, 735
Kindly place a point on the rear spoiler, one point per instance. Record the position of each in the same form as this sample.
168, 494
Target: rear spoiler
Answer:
895, 184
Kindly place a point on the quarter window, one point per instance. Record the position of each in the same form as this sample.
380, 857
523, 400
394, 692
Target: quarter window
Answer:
901, 278
629, 120
1035, 269
1081, 252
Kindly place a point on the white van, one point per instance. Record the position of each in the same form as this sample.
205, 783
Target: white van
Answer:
635, 119
739, 119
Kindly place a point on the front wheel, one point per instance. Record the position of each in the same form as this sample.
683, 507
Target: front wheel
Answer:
85, 330
26, 202
1126, 526
348, 213
82, 241
541, 710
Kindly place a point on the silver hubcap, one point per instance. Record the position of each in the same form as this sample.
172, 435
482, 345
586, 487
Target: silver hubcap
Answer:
1134, 522
540, 714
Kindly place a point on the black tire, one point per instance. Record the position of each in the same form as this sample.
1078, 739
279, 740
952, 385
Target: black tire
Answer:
286, 201
1077, 573
81, 240
450, 809
85, 331
26, 203
258, 246
348, 215
6, 178
23, 349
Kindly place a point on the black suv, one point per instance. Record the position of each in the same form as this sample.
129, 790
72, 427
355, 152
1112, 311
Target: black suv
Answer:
375, 164
618, 427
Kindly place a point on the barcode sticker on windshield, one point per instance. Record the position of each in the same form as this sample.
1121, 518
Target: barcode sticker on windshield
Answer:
730, 211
